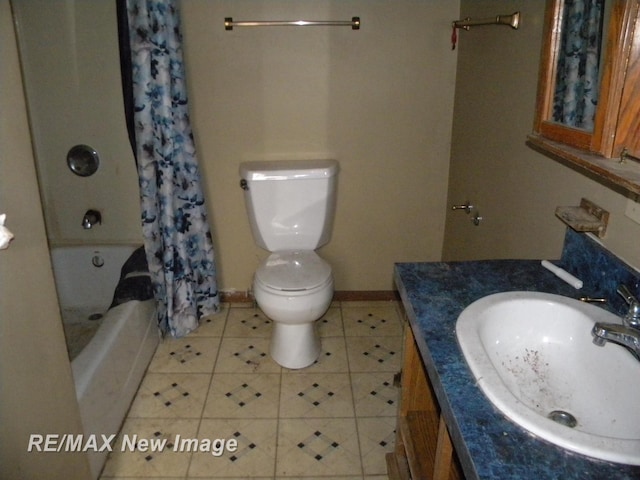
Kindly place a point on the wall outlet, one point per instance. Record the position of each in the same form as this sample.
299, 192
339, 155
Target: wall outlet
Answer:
633, 211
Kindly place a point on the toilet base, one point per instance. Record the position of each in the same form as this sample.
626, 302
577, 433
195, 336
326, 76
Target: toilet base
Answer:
295, 346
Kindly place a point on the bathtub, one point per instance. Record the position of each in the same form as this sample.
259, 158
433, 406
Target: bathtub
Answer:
108, 370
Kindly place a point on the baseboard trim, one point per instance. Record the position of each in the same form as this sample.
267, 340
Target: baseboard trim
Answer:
236, 297
366, 295
338, 296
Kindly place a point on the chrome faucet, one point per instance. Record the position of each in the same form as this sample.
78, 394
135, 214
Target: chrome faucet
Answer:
632, 318
627, 334
91, 218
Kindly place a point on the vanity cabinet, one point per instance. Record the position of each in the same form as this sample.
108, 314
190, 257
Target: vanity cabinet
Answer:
423, 447
617, 117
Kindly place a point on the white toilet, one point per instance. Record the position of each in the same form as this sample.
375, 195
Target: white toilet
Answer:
291, 205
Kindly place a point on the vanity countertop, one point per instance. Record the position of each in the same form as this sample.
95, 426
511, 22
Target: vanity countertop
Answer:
488, 444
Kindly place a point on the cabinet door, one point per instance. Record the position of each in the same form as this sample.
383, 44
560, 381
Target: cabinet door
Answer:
628, 126
605, 133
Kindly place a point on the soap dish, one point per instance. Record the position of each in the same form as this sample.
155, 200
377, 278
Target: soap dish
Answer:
588, 217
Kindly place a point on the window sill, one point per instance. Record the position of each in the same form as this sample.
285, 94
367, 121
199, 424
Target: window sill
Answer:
619, 176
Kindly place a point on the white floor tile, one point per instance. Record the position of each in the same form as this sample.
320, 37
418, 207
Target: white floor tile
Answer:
255, 453
185, 355
133, 457
334, 419
243, 395
374, 354
312, 395
324, 446
170, 395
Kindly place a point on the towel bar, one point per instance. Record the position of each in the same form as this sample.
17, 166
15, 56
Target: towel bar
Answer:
354, 23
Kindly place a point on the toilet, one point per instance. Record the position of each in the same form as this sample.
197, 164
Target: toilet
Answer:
291, 205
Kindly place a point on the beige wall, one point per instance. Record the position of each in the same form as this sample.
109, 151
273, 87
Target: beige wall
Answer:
515, 188
36, 389
69, 51
379, 100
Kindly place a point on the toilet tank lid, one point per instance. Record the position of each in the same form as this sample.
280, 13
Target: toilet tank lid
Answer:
288, 169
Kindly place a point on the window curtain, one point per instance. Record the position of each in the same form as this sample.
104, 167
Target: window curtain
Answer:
577, 78
176, 234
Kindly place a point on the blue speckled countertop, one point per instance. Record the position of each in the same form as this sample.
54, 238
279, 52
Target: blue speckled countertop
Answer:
488, 444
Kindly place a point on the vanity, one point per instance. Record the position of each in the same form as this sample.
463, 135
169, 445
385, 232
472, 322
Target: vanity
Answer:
447, 427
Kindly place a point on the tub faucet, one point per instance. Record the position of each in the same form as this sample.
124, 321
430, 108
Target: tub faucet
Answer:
627, 334
91, 218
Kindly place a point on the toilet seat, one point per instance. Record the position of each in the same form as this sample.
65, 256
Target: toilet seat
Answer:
294, 271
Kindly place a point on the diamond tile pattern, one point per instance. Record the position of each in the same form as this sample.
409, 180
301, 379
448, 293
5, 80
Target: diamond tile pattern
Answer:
333, 419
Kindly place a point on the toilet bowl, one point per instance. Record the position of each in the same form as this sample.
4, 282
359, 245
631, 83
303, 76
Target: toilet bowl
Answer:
294, 289
290, 205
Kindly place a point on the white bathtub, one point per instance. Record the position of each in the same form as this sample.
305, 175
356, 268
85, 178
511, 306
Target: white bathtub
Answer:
108, 371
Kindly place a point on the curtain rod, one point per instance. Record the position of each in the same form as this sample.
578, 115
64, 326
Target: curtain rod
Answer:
354, 23
512, 20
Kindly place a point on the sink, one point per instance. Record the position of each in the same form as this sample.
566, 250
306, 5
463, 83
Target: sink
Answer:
532, 355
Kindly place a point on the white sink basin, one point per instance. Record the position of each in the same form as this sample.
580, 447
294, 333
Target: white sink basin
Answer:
532, 354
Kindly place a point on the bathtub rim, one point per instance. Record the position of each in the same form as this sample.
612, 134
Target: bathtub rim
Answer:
87, 362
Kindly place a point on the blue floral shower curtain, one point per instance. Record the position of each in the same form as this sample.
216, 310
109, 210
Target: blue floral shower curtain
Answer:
577, 78
174, 220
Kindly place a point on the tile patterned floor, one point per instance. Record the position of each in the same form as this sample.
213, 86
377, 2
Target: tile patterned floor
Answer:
332, 420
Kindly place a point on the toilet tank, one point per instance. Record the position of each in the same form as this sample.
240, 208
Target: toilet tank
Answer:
290, 203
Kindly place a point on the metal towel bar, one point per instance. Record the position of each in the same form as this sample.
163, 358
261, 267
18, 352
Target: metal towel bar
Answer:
354, 23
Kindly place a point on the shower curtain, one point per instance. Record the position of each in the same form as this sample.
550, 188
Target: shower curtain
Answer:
176, 234
577, 78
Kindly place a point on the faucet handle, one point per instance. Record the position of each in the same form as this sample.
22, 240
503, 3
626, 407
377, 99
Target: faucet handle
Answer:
632, 318
627, 295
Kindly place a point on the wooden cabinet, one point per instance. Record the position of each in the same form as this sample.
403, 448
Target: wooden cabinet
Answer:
423, 447
617, 119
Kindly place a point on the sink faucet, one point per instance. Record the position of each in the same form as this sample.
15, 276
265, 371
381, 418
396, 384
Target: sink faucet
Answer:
627, 334
632, 318
91, 218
